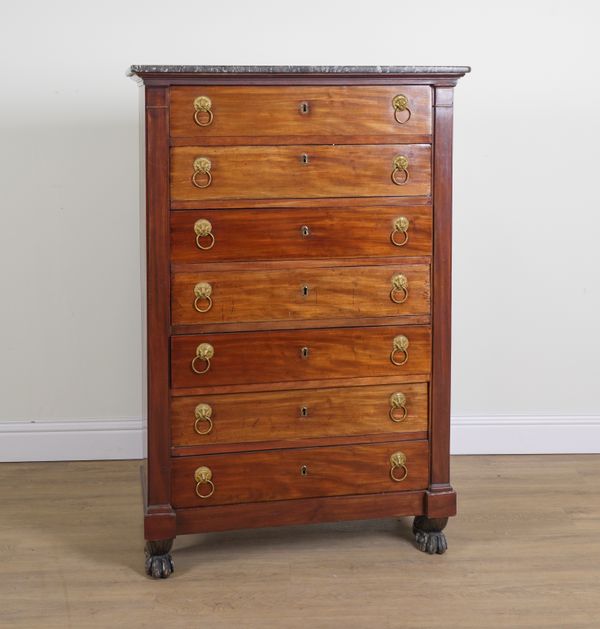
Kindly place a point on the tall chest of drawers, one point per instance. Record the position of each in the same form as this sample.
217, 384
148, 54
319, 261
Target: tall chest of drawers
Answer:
297, 274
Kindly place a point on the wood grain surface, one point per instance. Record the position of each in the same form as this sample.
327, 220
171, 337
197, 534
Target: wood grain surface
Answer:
299, 473
346, 231
277, 112
301, 293
265, 357
263, 172
327, 412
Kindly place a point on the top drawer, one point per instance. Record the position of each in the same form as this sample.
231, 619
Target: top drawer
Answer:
300, 111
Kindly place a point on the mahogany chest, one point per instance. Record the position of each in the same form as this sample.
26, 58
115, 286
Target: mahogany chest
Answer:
297, 273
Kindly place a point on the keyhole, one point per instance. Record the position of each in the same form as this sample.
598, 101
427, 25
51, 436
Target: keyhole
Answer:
304, 352
304, 470
305, 291
304, 108
304, 411
304, 158
305, 230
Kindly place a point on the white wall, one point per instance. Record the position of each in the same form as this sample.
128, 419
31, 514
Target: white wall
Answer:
527, 210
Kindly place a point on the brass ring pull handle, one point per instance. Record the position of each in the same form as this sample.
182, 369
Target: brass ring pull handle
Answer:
398, 401
203, 104
399, 285
400, 344
204, 352
400, 103
203, 476
203, 229
400, 173
203, 413
400, 227
202, 166
203, 292
398, 462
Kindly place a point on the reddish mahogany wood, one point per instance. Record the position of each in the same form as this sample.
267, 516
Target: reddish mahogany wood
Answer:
266, 295
293, 414
270, 357
273, 172
299, 473
273, 113
303, 511
159, 519
348, 232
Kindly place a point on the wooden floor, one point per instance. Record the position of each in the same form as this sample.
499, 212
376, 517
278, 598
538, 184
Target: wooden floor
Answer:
524, 551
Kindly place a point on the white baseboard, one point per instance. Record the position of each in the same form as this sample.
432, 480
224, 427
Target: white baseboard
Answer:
72, 440
80, 440
526, 434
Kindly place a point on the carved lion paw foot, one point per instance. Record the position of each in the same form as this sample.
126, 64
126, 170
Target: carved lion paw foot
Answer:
432, 542
158, 566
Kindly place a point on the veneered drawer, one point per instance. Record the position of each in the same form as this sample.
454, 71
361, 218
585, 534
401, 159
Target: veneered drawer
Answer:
299, 233
299, 171
299, 473
276, 113
312, 413
343, 292
294, 355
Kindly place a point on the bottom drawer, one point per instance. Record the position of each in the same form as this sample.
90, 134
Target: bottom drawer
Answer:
299, 473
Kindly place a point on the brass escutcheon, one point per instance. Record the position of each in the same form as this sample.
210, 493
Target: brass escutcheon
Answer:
202, 104
398, 462
400, 104
400, 167
400, 344
400, 227
398, 401
203, 476
203, 229
399, 285
203, 413
203, 292
204, 352
202, 166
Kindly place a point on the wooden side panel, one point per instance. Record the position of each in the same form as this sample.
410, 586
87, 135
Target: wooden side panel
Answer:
263, 172
442, 290
300, 473
275, 112
290, 355
341, 232
159, 520
299, 294
264, 416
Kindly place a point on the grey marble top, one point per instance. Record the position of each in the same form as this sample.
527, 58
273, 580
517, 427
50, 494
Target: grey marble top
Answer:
148, 69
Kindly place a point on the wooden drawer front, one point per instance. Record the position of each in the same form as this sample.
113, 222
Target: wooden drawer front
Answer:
299, 473
296, 294
301, 233
277, 172
290, 355
313, 413
273, 112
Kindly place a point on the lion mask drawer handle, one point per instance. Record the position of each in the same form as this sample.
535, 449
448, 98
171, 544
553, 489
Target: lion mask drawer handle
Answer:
400, 170
397, 402
203, 229
202, 166
399, 346
400, 227
398, 469
203, 476
203, 413
203, 105
204, 352
399, 292
400, 104
203, 300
